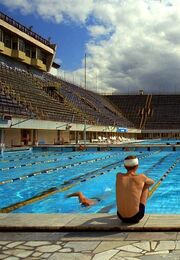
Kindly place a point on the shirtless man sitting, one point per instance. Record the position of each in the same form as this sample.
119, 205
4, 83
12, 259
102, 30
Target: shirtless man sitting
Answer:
132, 191
83, 200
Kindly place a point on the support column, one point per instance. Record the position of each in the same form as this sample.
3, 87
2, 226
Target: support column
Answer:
2, 144
2, 137
76, 137
35, 137
58, 136
84, 133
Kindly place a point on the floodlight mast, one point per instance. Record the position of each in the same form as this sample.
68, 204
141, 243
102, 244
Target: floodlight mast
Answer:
85, 71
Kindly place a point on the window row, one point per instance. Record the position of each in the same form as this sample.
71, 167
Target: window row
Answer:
21, 45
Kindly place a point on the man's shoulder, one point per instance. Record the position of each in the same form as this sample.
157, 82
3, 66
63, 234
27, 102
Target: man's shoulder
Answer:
119, 174
142, 176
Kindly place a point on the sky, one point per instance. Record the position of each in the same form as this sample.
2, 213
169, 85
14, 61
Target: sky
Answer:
130, 45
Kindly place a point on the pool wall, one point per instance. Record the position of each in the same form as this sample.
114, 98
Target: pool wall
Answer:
127, 147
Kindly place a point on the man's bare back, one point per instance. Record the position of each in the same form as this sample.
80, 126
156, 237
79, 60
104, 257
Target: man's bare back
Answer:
131, 190
129, 193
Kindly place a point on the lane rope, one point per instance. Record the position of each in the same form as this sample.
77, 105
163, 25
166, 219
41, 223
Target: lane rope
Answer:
51, 170
158, 183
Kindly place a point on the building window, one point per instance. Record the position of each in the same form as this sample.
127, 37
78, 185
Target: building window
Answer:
21, 45
39, 54
1, 35
15, 43
7, 40
28, 50
44, 58
33, 53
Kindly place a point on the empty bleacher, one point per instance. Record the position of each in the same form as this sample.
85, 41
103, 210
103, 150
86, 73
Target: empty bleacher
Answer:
50, 98
10, 106
28, 90
130, 105
165, 112
92, 105
149, 111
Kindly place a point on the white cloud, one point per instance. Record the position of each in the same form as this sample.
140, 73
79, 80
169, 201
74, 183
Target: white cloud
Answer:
134, 44
56, 10
98, 30
24, 5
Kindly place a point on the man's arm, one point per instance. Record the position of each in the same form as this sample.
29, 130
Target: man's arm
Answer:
148, 181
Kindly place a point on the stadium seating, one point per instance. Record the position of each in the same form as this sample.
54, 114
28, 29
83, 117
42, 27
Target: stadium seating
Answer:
30, 93
149, 111
165, 112
91, 104
51, 98
10, 106
130, 105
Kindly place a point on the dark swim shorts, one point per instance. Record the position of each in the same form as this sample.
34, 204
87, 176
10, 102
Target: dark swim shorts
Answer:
136, 218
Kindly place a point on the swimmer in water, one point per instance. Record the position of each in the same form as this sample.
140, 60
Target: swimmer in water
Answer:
83, 200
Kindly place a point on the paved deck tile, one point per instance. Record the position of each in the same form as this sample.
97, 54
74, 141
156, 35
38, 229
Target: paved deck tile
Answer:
72, 256
107, 245
35, 220
152, 236
96, 249
161, 221
106, 255
99, 236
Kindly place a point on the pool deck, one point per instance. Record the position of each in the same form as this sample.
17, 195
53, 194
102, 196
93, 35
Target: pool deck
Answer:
85, 222
88, 237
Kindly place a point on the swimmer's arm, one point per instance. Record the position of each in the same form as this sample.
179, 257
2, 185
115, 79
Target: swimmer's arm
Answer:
77, 194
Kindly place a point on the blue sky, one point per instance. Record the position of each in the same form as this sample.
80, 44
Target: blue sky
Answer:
69, 36
130, 45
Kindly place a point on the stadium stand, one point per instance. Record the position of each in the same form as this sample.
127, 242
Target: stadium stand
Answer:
149, 111
90, 104
30, 93
93, 105
165, 112
9, 104
55, 99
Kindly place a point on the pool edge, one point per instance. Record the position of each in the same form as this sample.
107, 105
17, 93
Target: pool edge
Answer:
85, 222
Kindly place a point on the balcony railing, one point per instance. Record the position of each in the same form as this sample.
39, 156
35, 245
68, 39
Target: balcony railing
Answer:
24, 29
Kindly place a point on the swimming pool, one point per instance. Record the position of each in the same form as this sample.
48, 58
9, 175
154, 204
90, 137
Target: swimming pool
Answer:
38, 181
160, 141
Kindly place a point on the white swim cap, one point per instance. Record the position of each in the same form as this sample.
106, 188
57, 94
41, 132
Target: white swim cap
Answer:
131, 162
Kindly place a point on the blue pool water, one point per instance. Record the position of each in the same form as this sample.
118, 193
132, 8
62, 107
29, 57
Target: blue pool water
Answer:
38, 182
